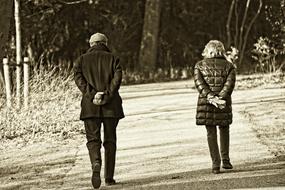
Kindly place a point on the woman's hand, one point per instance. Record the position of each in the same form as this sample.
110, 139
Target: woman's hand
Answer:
217, 102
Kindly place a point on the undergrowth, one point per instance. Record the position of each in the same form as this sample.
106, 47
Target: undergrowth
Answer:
53, 111
54, 107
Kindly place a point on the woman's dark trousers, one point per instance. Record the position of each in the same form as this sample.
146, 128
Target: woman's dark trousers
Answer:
93, 134
213, 144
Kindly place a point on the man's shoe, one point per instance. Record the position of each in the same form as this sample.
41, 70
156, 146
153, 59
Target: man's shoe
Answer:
227, 164
109, 182
96, 180
216, 170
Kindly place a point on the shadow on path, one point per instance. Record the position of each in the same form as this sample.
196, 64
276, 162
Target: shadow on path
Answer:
266, 173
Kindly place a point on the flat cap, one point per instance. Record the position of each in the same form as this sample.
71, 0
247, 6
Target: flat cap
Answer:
98, 37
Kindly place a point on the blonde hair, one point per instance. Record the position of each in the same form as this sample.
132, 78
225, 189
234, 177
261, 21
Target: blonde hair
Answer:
214, 48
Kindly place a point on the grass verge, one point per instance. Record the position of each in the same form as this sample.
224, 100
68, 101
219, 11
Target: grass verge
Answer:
53, 112
269, 124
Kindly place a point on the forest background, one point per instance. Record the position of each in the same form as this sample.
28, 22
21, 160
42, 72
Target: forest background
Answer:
155, 40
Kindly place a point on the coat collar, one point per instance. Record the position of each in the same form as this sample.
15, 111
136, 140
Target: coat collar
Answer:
214, 58
99, 47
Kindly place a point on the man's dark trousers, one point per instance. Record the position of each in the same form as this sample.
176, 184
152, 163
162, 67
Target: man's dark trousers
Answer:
93, 134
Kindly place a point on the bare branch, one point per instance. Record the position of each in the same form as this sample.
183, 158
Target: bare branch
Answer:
243, 23
228, 26
249, 28
282, 5
237, 23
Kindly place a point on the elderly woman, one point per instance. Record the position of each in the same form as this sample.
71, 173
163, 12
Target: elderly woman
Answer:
215, 80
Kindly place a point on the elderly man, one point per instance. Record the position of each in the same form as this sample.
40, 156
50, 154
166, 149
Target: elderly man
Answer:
98, 76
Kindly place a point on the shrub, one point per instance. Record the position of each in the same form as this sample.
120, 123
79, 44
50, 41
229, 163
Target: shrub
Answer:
265, 55
160, 75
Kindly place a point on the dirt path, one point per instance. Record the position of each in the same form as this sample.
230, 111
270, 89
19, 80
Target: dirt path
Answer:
159, 147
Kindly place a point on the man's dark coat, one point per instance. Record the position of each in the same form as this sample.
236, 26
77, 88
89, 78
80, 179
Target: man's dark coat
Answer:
214, 77
99, 71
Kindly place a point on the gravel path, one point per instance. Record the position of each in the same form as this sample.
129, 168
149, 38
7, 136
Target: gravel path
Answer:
160, 147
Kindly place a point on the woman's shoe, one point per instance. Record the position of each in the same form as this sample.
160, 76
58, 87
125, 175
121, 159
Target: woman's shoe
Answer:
109, 182
227, 164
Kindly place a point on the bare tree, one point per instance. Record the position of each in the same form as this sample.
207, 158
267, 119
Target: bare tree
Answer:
228, 26
18, 50
243, 24
243, 46
242, 29
6, 13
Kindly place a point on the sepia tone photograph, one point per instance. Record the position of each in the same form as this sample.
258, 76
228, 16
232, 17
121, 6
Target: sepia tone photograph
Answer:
142, 94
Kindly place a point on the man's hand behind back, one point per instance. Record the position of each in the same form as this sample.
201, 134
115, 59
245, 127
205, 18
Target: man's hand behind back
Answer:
98, 98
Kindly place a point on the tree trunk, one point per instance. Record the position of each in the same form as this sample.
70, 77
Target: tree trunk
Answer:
148, 49
236, 24
18, 51
6, 8
282, 5
241, 34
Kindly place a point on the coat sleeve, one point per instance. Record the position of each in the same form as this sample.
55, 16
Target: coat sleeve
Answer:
229, 84
116, 80
202, 87
80, 81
